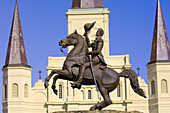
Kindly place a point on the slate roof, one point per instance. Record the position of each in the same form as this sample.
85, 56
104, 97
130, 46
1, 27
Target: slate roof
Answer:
16, 54
160, 44
87, 4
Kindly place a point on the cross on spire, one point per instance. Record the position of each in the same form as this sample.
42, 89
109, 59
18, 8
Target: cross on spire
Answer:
138, 69
39, 74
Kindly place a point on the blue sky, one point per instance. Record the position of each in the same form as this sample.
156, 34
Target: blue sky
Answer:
44, 23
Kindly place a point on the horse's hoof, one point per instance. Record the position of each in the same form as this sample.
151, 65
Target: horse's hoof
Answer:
100, 108
46, 84
93, 108
54, 89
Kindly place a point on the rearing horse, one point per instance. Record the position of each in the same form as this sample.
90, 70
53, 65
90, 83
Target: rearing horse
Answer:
107, 79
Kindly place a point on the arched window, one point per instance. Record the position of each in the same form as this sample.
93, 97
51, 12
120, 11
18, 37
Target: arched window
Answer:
89, 94
26, 91
14, 90
5, 91
164, 88
118, 90
60, 92
152, 87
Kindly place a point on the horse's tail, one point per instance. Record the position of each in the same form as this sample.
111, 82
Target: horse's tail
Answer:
129, 73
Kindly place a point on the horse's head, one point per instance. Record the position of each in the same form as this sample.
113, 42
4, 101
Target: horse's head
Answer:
71, 39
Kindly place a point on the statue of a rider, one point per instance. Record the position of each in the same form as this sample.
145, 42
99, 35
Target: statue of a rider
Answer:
96, 54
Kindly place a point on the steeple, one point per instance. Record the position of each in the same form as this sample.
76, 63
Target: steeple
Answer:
16, 54
87, 4
160, 44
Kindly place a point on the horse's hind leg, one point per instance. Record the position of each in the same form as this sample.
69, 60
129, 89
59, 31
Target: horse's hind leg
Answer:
107, 101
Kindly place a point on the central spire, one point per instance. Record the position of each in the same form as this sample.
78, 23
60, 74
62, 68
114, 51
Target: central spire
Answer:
87, 4
16, 54
160, 44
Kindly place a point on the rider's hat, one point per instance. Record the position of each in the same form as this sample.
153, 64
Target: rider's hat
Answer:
88, 26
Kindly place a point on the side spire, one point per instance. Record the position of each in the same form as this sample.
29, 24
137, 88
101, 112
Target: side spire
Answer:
160, 44
87, 4
16, 54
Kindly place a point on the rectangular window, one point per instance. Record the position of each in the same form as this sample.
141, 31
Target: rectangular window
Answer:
60, 91
118, 90
89, 94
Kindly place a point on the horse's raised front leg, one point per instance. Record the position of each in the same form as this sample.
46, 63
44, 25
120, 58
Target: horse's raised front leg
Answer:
49, 77
61, 72
54, 84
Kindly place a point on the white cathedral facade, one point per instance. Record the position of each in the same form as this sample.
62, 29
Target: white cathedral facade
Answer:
20, 97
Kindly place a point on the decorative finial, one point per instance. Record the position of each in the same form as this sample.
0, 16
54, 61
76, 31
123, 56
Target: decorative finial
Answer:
138, 70
39, 74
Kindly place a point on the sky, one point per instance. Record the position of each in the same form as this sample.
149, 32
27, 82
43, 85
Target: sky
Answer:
44, 23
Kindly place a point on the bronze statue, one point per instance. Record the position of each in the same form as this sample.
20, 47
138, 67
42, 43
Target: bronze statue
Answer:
93, 72
95, 53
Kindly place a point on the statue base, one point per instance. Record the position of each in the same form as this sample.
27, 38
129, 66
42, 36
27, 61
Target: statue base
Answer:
96, 111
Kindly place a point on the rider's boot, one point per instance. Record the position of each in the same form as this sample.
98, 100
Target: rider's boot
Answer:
77, 84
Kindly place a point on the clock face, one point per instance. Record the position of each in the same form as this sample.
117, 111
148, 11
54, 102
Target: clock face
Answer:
87, 3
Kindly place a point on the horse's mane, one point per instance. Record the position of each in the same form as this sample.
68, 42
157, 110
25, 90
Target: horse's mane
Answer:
81, 47
75, 35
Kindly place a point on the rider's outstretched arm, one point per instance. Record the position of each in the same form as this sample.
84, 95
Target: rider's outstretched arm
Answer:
87, 39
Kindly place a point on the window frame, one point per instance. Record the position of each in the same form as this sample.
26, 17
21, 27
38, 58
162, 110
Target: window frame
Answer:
164, 91
26, 91
153, 88
15, 89
89, 94
60, 95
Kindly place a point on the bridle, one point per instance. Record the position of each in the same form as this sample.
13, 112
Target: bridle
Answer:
65, 53
61, 48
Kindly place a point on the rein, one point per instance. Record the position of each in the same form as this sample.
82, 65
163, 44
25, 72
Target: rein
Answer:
65, 53
71, 59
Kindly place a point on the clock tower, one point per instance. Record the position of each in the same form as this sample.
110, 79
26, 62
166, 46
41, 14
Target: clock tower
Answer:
88, 11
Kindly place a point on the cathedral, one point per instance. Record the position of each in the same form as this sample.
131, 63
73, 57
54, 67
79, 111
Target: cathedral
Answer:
20, 97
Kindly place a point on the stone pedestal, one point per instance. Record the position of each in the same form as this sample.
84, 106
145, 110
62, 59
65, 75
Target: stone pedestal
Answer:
107, 111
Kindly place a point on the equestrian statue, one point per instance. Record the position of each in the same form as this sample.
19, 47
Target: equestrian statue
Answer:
89, 68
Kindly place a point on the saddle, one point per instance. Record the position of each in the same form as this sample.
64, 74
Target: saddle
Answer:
88, 72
